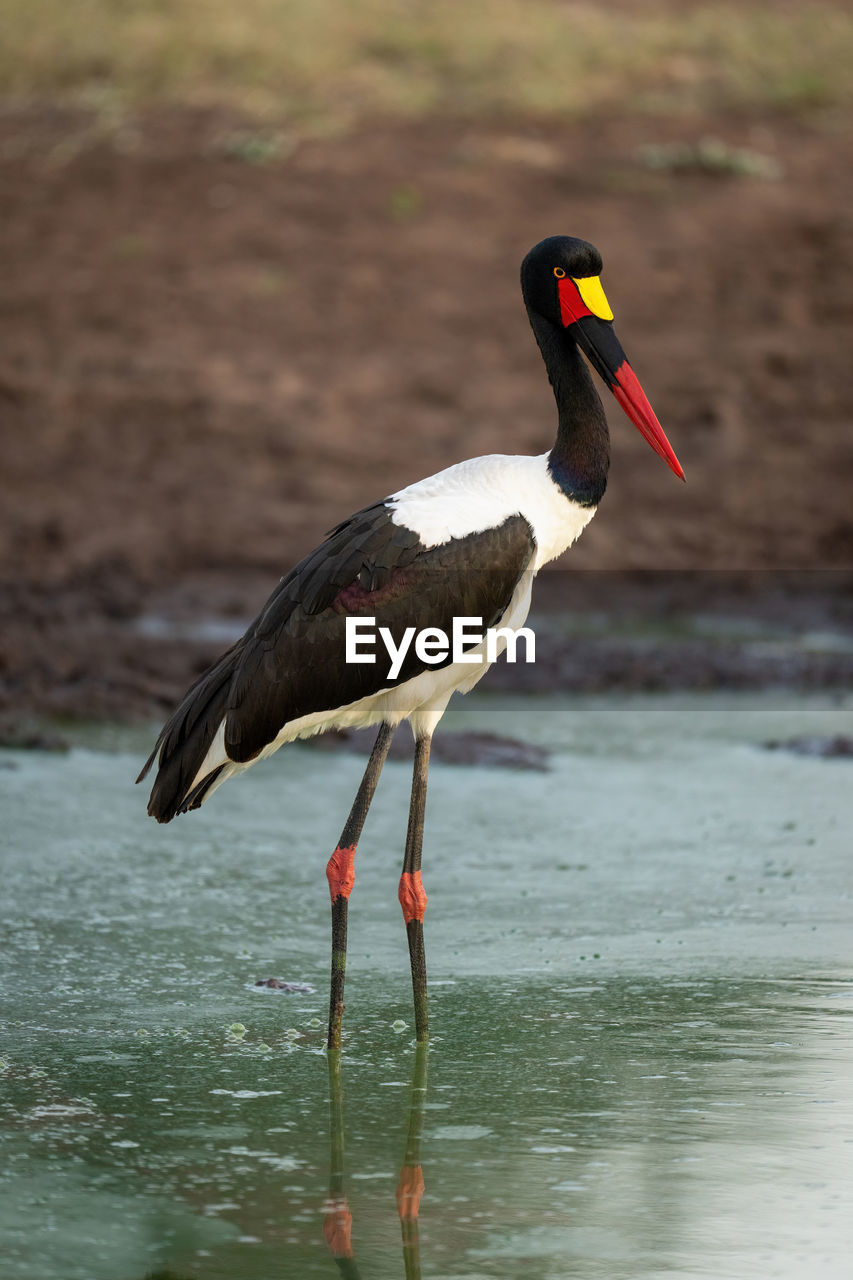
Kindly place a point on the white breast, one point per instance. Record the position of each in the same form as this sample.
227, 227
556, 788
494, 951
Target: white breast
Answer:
481, 493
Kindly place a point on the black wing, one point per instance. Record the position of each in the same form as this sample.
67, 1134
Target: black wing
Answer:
290, 663
293, 662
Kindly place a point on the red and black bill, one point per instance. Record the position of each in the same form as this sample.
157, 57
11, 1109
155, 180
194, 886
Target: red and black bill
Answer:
599, 343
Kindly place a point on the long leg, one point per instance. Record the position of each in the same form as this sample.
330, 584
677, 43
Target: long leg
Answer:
340, 873
412, 897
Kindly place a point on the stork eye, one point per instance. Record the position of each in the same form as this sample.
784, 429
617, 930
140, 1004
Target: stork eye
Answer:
559, 272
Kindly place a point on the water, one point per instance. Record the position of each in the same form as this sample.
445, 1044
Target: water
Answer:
641, 1007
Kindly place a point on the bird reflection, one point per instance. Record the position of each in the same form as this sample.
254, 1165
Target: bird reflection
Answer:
337, 1225
410, 1184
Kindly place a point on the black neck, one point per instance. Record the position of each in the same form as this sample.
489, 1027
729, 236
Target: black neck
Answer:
580, 459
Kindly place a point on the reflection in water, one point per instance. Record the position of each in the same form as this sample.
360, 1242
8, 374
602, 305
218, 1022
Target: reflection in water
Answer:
337, 1226
680, 1104
410, 1186
616, 1130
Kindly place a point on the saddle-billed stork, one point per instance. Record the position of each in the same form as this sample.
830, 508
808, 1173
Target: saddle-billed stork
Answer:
466, 542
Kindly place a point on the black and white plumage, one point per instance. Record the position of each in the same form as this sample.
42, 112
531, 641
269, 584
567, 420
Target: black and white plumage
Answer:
465, 542
412, 560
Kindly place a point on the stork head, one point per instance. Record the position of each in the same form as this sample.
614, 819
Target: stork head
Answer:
560, 282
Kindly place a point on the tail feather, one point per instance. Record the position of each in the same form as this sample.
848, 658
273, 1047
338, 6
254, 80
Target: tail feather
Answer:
199, 793
185, 739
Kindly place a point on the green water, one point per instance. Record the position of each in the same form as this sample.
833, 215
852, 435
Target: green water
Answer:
641, 1008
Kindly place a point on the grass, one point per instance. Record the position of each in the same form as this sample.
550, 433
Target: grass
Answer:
335, 61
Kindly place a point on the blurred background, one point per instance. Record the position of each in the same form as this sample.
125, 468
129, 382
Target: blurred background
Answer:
260, 267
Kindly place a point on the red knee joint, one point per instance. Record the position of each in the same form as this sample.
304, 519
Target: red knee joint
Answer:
410, 1188
337, 1228
340, 872
412, 897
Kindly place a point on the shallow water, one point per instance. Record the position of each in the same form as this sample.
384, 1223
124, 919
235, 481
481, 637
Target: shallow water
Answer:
641, 1008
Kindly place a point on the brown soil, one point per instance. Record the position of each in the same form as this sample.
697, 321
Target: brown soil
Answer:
206, 362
